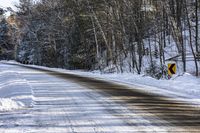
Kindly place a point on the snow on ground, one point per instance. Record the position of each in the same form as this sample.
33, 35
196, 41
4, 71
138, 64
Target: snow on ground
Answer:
8, 105
185, 87
15, 93
62, 106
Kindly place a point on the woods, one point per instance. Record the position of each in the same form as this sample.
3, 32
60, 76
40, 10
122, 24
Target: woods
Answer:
136, 36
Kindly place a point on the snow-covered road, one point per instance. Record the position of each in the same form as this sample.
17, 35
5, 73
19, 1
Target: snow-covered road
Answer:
62, 103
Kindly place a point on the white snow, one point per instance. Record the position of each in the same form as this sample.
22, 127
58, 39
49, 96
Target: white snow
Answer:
183, 87
15, 92
60, 105
63, 106
9, 105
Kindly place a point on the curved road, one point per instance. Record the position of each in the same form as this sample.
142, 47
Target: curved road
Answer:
65, 103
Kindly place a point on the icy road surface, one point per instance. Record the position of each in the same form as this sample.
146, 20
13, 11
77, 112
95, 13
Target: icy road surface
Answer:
62, 103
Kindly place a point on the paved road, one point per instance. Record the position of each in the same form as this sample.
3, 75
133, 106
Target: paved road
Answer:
69, 103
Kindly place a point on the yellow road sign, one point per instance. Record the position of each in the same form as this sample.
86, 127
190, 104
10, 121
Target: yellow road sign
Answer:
172, 69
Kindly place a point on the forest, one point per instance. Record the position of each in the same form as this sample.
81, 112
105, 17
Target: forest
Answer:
137, 36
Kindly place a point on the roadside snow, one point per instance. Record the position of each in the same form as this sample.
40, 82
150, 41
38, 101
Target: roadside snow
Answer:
64, 106
182, 87
15, 92
9, 105
185, 87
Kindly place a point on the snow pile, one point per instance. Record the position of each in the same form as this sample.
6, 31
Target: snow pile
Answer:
15, 91
9, 105
185, 86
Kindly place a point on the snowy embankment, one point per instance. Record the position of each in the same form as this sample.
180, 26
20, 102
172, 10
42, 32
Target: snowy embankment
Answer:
15, 93
185, 87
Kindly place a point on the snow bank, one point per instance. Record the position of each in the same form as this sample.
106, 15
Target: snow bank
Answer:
185, 87
9, 104
15, 91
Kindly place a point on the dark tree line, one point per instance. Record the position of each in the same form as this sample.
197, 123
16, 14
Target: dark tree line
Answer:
6, 45
114, 35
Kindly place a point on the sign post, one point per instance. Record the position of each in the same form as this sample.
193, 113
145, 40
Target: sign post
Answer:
172, 69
